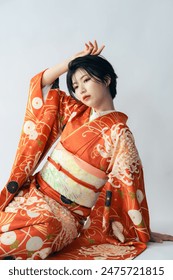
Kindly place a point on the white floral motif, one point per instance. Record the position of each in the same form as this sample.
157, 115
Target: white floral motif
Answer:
42, 253
37, 103
14, 205
68, 230
107, 150
139, 195
34, 243
135, 216
29, 126
33, 135
8, 238
120, 147
5, 228
29, 129
105, 251
117, 228
32, 214
31, 200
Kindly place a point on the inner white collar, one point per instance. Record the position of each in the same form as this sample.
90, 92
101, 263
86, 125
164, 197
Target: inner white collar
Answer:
94, 114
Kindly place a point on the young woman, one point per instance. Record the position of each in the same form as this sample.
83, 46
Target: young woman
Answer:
90, 193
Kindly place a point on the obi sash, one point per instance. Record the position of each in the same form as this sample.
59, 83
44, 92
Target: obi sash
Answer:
72, 177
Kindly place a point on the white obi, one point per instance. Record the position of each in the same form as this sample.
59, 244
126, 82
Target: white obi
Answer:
72, 177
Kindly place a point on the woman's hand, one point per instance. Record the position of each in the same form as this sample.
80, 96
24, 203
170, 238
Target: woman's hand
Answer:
90, 48
51, 74
159, 237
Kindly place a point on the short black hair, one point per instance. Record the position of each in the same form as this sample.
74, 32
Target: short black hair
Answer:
97, 67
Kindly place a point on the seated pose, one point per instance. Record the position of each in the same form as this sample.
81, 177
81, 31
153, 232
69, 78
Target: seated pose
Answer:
88, 200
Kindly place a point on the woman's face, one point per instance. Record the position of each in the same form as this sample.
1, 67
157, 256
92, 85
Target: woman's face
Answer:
91, 92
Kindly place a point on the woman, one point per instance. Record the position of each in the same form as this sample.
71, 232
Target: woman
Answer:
90, 193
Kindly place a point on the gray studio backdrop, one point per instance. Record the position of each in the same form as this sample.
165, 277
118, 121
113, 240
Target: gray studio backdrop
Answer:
36, 34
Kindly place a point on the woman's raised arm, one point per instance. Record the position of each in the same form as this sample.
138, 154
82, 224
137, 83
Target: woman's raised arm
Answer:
51, 74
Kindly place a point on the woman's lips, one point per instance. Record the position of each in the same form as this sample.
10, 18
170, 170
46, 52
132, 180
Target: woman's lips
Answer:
86, 97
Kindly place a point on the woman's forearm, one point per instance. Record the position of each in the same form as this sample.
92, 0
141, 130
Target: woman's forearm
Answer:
51, 74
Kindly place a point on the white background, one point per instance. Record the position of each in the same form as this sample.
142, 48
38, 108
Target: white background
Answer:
138, 34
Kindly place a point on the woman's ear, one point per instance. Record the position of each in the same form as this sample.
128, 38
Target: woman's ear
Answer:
107, 81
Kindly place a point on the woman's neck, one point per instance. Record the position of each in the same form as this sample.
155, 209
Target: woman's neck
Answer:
109, 106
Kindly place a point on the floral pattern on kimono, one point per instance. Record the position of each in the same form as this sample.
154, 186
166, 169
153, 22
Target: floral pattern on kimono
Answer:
119, 218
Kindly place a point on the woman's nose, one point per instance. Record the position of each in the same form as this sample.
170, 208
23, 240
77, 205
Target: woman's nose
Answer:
82, 90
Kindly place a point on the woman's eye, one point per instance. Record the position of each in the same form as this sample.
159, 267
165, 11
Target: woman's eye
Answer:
86, 80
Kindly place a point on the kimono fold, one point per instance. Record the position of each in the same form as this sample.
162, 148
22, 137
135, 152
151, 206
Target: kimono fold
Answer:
88, 201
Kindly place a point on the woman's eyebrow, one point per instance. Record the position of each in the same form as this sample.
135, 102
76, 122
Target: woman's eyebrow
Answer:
79, 79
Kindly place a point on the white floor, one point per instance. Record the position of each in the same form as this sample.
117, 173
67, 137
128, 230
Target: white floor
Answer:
157, 251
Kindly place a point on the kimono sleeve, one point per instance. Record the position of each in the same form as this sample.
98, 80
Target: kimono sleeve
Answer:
43, 123
121, 211
128, 209
66, 104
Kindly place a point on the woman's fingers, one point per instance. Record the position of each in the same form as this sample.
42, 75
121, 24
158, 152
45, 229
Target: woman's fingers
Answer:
100, 50
91, 44
155, 239
90, 48
93, 48
95, 44
159, 237
86, 46
87, 49
166, 237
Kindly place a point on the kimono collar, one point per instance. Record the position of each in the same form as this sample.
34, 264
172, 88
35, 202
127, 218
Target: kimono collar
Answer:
94, 114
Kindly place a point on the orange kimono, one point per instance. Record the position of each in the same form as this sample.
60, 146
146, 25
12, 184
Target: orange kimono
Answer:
88, 200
